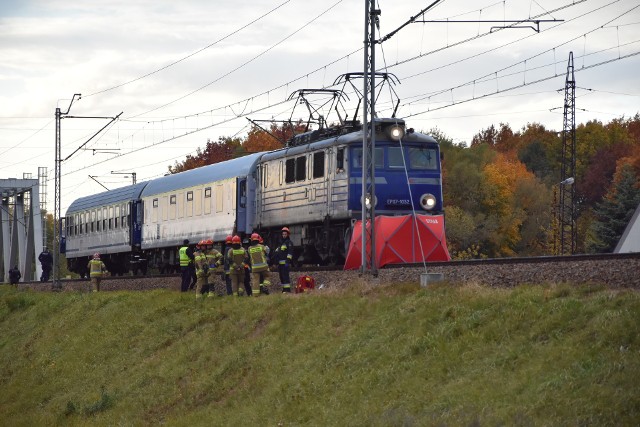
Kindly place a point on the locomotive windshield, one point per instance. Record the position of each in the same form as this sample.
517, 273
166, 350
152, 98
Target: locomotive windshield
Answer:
357, 157
423, 158
419, 158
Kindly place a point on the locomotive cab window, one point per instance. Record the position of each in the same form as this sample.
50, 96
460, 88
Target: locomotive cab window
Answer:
394, 155
318, 164
340, 160
423, 158
357, 157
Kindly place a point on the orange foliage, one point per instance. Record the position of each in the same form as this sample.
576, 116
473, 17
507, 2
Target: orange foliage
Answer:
503, 178
214, 152
276, 137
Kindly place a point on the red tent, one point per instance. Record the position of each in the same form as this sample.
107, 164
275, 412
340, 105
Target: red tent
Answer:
401, 239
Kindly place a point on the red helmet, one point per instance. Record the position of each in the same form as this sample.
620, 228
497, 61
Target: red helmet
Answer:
255, 236
285, 229
236, 239
96, 255
208, 242
228, 239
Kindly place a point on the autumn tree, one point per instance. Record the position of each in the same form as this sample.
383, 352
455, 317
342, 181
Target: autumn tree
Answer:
539, 149
602, 166
509, 201
224, 148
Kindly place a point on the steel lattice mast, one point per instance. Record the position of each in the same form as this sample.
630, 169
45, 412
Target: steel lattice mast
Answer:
567, 211
369, 141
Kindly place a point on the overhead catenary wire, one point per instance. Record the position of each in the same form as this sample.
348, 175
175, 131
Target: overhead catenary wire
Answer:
273, 46
265, 92
495, 73
192, 54
453, 103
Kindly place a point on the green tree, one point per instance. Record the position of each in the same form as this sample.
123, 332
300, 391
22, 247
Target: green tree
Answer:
614, 212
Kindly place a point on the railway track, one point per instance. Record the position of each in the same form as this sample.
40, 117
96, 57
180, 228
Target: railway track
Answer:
611, 270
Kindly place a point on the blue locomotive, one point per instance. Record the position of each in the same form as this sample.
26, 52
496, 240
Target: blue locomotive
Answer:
313, 186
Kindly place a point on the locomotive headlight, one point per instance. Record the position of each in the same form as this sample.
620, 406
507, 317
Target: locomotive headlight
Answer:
395, 132
367, 201
427, 201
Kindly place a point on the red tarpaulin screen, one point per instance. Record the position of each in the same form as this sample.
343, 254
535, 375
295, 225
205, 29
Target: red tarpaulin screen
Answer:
401, 239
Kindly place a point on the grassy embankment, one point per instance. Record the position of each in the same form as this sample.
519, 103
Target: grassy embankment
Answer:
391, 356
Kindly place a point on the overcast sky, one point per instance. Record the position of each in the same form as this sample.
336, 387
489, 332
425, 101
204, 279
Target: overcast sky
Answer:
182, 72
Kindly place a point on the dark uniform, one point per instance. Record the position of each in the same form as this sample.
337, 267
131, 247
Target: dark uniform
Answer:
283, 256
46, 260
186, 265
14, 275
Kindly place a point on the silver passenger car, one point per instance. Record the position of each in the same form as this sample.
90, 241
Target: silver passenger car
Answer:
203, 203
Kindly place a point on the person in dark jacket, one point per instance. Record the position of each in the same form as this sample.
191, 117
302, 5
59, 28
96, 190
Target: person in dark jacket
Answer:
14, 275
187, 266
283, 256
46, 261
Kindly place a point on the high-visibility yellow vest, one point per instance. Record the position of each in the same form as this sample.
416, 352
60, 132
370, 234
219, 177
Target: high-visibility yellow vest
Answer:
184, 258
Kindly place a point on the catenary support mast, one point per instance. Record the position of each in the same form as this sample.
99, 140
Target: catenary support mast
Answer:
369, 142
567, 211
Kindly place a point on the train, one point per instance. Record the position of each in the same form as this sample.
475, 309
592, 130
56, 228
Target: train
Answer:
313, 186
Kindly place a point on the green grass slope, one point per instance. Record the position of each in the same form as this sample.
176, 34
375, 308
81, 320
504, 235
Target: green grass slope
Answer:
387, 356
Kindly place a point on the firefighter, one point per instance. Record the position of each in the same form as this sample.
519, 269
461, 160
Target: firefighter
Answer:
96, 270
202, 268
186, 265
214, 260
236, 258
259, 267
227, 278
267, 250
247, 269
283, 256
